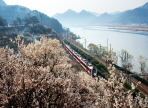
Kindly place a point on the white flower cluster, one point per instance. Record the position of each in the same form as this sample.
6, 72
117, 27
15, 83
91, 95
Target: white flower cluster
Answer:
112, 93
40, 76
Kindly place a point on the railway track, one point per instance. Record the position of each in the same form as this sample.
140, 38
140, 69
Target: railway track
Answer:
142, 87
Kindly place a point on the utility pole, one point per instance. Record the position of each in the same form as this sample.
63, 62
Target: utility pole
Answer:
126, 63
110, 53
107, 46
115, 58
85, 44
100, 52
86, 55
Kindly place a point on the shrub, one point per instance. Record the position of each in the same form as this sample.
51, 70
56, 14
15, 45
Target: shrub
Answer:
127, 86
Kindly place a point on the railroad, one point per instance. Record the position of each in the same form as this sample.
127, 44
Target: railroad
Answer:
142, 87
84, 63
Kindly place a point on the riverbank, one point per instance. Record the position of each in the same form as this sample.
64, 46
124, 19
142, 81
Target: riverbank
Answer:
133, 29
126, 27
134, 42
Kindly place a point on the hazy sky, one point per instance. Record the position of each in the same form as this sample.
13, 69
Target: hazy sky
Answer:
51, 7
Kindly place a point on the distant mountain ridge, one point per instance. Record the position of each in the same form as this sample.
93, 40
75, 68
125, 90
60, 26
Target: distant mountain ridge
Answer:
2, 3
145, 6
138, 15
113, 13
71, 17
95, 13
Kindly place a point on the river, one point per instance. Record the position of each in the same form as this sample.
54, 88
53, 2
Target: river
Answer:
134, 42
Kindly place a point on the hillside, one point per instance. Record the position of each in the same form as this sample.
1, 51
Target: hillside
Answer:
11, 12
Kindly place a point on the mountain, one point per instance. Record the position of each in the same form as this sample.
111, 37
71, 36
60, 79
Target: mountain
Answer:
94, 13
67, 18
85, 13
113, 13
57, 14
136, 16
105, 18
72, 18
145, 6
68, 14
2, 3
85, 17
11, 12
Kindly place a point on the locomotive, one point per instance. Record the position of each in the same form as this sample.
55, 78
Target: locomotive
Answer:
84, 63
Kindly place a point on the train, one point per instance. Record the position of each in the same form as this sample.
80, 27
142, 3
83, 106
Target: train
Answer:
84, 63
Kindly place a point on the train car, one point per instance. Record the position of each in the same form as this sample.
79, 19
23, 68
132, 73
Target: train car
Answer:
85, 64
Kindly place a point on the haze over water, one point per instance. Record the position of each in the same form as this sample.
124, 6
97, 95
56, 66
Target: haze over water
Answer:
135, 42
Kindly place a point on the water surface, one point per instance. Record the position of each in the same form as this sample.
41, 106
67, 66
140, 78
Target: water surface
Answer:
135, 42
